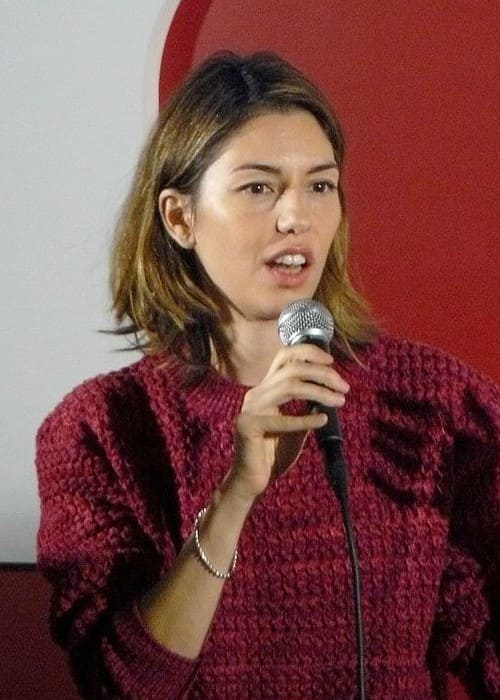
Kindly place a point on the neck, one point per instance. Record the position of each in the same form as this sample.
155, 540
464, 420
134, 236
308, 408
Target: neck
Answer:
253, 346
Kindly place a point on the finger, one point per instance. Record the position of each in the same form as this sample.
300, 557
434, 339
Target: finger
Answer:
258, 426
284, 391
302, 352
319, 374
317, 393
309, 385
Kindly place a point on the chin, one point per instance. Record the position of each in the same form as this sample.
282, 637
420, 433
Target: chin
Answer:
272, 311
270, 307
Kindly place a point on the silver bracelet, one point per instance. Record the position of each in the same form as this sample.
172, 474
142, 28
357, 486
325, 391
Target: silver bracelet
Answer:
203, 556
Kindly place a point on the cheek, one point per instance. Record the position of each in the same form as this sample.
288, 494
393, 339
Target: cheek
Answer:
327, 212
335, 220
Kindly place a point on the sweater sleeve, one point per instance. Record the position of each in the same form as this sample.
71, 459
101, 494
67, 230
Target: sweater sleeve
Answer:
99, 559
466, 635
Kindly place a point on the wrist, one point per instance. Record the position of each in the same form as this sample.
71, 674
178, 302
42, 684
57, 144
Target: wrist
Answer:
203, 555
234, 495
217, 529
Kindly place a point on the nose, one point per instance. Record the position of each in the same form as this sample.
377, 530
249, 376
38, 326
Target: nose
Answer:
292, 216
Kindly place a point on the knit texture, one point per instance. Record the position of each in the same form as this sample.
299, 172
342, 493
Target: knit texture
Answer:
127, 460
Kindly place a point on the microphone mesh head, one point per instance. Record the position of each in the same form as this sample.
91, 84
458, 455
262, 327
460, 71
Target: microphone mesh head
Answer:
306, 321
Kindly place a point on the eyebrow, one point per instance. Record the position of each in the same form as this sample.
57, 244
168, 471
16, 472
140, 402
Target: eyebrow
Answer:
273, 170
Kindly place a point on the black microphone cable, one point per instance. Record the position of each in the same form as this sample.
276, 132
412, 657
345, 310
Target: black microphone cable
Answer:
308, 321
336, 470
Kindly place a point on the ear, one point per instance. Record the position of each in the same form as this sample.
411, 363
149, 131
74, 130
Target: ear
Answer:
177, 215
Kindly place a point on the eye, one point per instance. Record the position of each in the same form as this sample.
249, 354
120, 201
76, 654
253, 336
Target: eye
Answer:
256, 188
323, 186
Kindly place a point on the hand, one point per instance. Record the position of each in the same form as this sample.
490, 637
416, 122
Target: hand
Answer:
268, 442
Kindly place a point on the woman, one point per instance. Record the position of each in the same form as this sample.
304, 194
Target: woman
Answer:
152, 478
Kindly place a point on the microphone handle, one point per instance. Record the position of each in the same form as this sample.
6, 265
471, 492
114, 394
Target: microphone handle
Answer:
329, 436
330, 441
331, 430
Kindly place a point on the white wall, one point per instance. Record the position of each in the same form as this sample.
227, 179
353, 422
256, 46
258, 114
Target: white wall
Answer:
79, 93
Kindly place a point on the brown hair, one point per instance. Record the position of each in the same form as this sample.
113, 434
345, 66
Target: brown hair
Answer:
160, 294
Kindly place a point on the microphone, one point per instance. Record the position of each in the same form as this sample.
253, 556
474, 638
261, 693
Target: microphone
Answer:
309, 321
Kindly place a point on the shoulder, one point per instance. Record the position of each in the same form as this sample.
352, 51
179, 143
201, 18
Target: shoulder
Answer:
433, 421
428, 376
104, 398
91, 394
410, 361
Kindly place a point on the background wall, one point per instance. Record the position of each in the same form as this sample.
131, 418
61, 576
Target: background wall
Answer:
79, 92
415, 86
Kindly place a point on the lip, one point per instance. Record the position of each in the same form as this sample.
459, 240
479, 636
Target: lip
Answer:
291, 250
290, 280
285, 278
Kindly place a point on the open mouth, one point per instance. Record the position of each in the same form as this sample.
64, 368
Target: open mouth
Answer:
291, 263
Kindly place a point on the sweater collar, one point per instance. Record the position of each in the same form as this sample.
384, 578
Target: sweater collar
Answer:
213, 397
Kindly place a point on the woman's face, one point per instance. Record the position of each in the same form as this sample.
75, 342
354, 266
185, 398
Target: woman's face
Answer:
266, 213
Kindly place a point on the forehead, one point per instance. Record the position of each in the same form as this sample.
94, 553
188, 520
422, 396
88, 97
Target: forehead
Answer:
278, 136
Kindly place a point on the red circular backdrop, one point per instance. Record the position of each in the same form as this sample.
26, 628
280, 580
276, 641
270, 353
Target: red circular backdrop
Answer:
416, 88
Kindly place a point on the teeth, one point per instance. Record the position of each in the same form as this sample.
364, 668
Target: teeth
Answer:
292, 260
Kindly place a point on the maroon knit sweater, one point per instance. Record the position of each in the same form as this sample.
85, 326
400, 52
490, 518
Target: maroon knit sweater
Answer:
127, 460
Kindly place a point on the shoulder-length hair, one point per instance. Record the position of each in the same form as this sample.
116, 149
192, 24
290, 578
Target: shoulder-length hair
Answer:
160, 295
